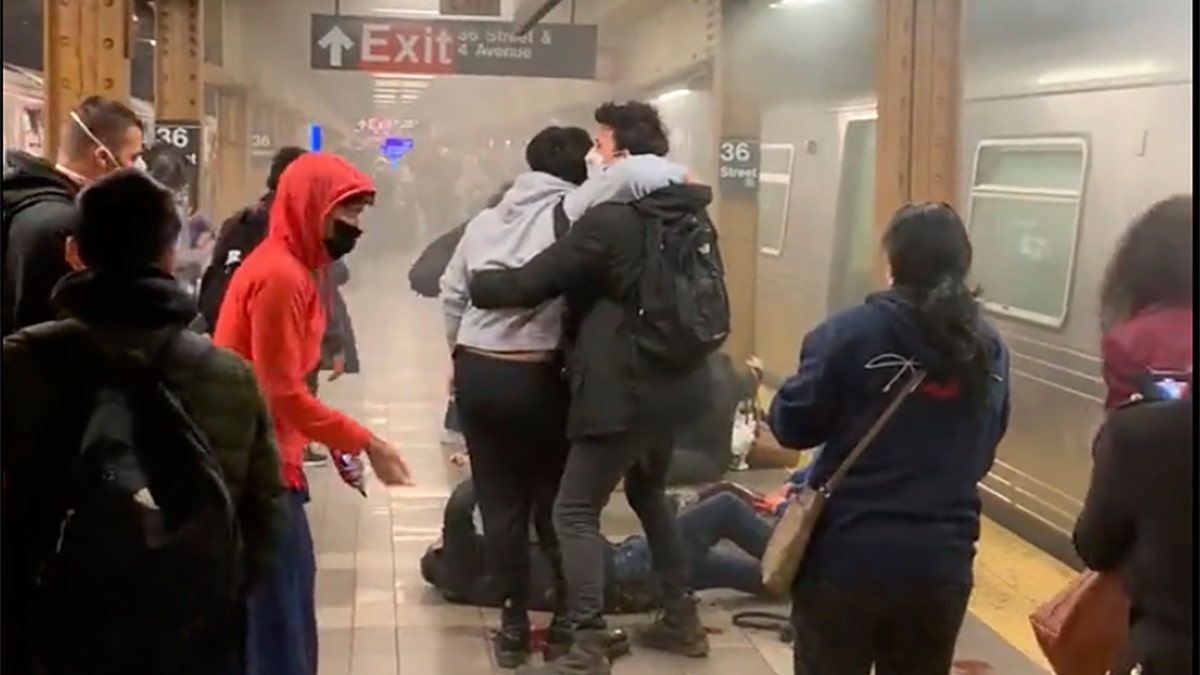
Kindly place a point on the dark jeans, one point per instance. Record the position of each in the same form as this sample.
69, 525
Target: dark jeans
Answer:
594, 467
909, 630
724, 516
513, 417
281, 634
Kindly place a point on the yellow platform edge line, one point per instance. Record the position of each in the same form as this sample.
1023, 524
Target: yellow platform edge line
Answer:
1013, 577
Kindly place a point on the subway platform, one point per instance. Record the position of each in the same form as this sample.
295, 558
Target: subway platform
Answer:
377, 616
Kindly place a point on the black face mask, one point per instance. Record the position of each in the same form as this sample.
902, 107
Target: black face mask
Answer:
342, 239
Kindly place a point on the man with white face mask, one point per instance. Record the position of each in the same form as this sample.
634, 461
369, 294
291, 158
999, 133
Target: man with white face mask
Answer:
100, 136
624, 173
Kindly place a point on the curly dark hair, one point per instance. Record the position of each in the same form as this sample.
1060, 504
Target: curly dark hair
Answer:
1153, 263
167, 165
637, 127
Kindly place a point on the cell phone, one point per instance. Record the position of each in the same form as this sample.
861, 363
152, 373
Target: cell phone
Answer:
1166, 385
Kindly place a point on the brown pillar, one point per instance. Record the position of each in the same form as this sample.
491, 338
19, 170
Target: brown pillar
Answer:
179, 85
233, 150
920, 99
86, 52
738, 116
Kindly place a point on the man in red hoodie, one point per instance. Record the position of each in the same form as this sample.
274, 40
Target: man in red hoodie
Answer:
272, 315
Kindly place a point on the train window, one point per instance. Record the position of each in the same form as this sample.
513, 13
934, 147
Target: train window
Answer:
1024, 212
774, 189
856, 243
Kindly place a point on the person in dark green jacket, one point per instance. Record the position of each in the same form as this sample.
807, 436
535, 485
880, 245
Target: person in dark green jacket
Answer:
129, 306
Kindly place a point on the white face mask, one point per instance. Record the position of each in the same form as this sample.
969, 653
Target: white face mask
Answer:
139, 163
595, 163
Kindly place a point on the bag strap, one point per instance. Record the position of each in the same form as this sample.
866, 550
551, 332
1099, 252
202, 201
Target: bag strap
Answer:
910, 385
561, 222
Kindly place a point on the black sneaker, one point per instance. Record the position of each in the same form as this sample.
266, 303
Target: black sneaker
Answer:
314, 458
676, 630
510, 645
585, 657
560, 638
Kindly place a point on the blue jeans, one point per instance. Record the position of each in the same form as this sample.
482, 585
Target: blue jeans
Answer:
724, 516
281, 617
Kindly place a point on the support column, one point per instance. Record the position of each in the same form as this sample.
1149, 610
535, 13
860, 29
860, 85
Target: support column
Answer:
937, 100
86, 52
233, 150
738, 127
920, 99
179, 84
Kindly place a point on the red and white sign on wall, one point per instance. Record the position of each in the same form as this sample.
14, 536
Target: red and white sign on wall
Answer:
449, 47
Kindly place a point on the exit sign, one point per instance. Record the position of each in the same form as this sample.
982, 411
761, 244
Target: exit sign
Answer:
470, 7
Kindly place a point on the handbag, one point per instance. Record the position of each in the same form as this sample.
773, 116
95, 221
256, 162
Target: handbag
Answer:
789, 540
1084, 629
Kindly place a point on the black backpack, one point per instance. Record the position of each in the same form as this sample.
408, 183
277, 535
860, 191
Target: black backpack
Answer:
144, 574
240, 235
683, 310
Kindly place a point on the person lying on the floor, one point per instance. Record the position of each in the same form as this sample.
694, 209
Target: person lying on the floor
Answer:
454, 565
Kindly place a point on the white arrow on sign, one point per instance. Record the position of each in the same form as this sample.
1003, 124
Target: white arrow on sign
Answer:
337, 42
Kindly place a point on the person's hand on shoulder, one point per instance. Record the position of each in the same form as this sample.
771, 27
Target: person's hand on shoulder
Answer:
387, 463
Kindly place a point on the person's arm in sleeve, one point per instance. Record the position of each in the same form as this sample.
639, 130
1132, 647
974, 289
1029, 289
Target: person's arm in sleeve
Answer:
1105, 528
339, 272
453, 291
261, 513
277, 321
575, 260
805, 408
37, 259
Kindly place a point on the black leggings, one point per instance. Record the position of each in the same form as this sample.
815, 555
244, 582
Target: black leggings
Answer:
513, 417
909, 630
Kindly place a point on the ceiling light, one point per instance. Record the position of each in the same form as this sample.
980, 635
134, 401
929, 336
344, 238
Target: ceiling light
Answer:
395, 11
674, 93
402, 76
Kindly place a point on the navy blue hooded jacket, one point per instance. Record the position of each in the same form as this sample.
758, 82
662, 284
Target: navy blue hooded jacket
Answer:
908, 512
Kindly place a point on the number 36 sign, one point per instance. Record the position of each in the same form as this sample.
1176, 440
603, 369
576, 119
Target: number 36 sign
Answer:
738, 158
183, 135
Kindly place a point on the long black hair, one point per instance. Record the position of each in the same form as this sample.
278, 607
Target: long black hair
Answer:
1153, 263
930, 256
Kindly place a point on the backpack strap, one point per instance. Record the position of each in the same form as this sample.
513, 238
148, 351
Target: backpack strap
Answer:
561, 222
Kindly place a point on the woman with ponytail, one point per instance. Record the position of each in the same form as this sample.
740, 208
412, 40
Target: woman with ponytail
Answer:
887, 574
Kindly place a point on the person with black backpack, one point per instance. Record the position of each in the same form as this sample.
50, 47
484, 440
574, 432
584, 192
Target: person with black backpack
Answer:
238, 236
100, 136
646, 306
141, 479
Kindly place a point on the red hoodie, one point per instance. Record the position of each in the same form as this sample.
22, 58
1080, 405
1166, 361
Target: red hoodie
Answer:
1156, 338
272, 313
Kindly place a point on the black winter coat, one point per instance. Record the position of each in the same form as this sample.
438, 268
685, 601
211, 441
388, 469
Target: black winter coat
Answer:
1139, 519
596, 266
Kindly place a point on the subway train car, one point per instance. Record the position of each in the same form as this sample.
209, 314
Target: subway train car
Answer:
23, 98
1077, 116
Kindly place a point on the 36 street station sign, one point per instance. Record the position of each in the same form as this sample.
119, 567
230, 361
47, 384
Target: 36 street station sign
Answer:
449, 47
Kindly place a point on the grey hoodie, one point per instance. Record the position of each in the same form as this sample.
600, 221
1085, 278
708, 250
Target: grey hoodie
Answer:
517, 229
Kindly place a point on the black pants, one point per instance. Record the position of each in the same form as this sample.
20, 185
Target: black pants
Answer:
902, 631
594, 468
513, 417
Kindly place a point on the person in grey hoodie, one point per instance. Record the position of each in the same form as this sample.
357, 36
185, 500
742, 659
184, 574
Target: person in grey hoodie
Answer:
512, 399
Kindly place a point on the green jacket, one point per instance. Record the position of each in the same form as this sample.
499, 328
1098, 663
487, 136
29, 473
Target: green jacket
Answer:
42, 417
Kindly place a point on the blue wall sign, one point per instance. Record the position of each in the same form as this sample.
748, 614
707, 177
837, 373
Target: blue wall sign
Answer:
394, 148
314, 137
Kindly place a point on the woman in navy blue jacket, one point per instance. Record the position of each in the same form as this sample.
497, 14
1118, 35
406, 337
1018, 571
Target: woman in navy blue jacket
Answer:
888, 572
